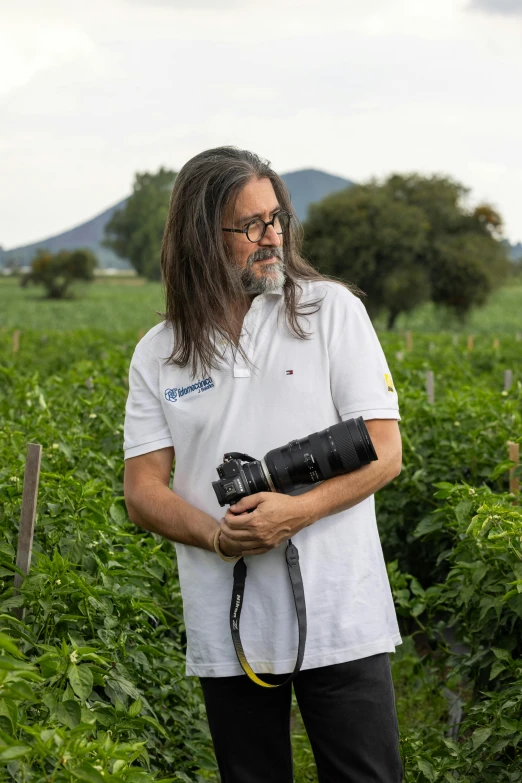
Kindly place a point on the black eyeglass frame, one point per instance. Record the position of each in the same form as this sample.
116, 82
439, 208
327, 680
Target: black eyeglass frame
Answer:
255, 220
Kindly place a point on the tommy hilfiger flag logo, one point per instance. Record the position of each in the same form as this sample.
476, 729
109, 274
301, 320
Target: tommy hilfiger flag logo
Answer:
289, 372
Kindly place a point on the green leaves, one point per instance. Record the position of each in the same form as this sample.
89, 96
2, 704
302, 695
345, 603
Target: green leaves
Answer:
135, 707
479, 736
87, 773
69, 713
14, 752
118, 514
7, 644
427, 769
80, 678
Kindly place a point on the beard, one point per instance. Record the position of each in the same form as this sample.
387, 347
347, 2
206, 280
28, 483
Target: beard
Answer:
266, 278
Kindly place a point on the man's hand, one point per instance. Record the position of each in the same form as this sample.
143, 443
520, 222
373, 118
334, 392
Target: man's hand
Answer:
260, 522
276, 517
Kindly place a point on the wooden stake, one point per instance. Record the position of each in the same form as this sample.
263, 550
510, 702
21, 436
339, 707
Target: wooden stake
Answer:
409, 341
470, 342
16, 340
514, 456
518, 337
496, 343
430, 386
27, 515
508, 379
141, 334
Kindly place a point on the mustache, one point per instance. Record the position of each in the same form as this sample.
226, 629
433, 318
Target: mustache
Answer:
263, 254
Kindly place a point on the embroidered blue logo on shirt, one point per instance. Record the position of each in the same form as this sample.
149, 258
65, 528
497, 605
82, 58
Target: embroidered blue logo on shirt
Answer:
172, 395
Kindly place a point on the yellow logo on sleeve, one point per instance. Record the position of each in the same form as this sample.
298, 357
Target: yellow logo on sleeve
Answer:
389, 382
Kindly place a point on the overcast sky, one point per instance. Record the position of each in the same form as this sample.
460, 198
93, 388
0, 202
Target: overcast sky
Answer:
92, 92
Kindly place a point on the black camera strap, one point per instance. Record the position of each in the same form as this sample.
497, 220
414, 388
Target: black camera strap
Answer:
238, 590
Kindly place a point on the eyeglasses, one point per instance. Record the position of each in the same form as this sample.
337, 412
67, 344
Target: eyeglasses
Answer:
255, 231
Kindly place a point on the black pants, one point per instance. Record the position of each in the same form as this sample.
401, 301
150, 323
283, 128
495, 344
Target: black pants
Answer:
348, 710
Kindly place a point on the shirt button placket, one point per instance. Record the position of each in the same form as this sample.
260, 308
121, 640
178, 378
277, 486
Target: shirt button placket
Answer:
241, 370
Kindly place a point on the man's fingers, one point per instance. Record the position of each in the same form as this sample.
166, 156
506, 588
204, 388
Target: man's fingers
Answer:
229, 547
248, 503
236, 536
243, 540
236, 521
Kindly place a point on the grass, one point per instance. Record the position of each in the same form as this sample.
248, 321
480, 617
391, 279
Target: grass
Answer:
501, 314
131, 303
114, 305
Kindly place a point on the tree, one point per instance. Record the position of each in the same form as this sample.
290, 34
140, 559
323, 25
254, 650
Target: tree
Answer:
407, 241
363, 235
468, 268
136, 231
57, 272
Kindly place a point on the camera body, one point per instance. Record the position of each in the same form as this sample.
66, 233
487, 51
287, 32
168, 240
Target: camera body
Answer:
234, 482
339, 449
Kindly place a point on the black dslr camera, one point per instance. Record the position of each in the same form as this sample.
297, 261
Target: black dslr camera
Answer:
339, 449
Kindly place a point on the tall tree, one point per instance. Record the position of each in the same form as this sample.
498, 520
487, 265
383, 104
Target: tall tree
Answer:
409, 240
135, 232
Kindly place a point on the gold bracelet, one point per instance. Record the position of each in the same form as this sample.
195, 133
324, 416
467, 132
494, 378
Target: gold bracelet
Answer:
227, 558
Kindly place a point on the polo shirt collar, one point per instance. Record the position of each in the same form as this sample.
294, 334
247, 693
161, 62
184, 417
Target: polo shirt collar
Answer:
276, 292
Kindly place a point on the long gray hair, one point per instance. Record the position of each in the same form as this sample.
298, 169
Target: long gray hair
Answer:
200, 280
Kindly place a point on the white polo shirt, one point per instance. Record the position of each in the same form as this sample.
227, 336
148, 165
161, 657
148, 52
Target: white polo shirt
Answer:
296, 387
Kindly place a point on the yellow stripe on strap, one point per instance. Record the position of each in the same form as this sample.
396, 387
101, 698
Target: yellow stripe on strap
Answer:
296, 580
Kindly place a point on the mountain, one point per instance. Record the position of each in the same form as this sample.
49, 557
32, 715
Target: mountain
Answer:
310, 185
87, 234
305, 187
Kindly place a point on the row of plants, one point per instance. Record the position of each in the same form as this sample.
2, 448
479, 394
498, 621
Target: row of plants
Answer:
92, 683
481, 601
446, 353
463, 437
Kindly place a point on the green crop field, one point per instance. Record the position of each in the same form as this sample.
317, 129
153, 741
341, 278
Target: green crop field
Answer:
116, 304
91, 679
110, 304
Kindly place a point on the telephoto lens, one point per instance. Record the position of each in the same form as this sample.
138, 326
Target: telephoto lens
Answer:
339, 449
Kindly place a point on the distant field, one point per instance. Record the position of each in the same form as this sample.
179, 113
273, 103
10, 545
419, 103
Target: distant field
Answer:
131, 303
113, 304
503, 313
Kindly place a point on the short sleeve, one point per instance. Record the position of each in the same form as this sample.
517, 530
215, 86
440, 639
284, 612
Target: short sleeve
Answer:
145, 428
360, 378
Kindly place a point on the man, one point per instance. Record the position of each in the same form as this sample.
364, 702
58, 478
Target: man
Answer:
257, 349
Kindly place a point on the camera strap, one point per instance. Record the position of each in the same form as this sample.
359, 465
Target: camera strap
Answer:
238, 590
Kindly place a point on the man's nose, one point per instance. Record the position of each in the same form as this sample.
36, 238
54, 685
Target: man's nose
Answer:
271, 237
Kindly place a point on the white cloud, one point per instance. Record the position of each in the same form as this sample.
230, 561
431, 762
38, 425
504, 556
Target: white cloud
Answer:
98, 91
27, 51
498, 6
